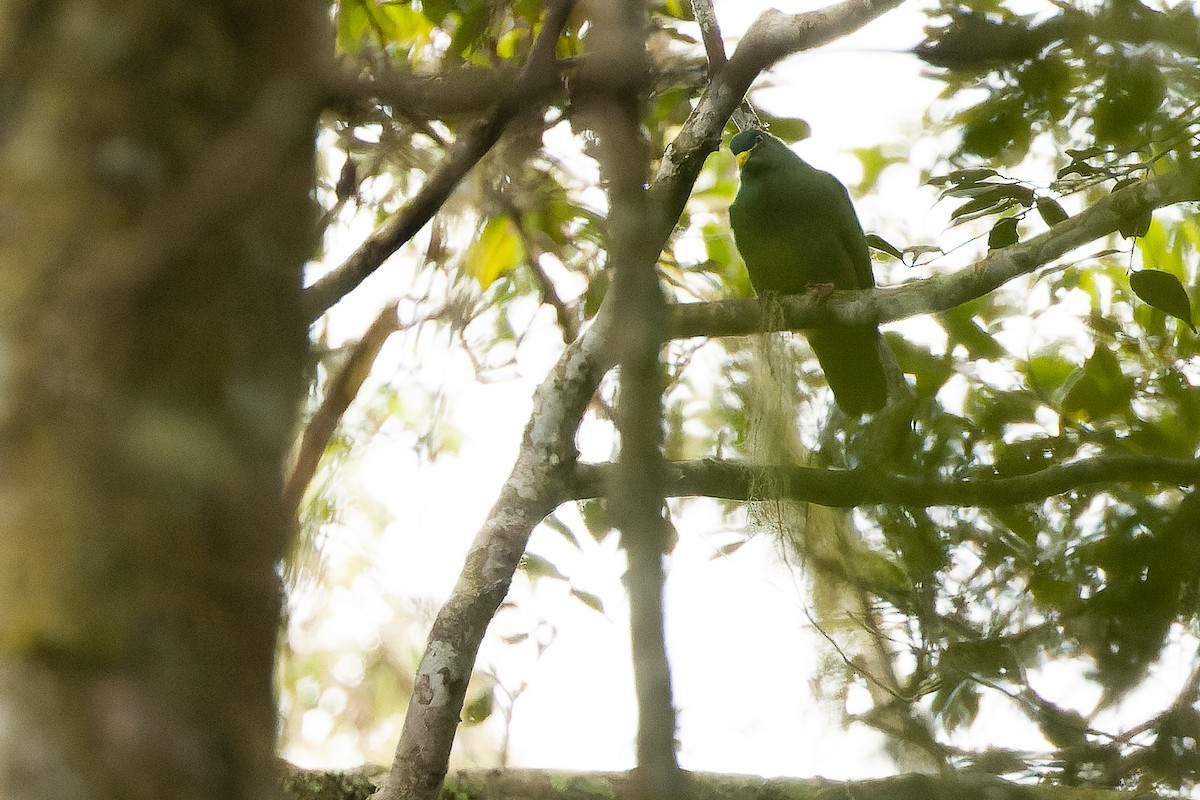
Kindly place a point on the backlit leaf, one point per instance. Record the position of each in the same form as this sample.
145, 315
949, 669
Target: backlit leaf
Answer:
495, 252
590, 600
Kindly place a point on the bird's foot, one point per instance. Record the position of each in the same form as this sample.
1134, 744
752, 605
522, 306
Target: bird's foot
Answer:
820, 291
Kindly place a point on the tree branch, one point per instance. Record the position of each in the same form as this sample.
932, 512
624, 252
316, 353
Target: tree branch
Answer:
942, 292
731, 480
466, 89
491, 784
539, 483
537, 79
542, 476
714, 47
339, 394
610, 96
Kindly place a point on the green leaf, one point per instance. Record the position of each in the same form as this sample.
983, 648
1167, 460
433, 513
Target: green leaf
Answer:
479, 709
1051, 591
1050, 211
1133, 90
790, 129
1004, 233
1048, 371
963, 177
956, 703
1163, 291
996, 129
991, 200
597, 289
1133, 227
729, 549
537, 567
590, 600
496, 251
596, 518
1061, 727
879, 243
353, 19
507, 45
962, 329
931, 371
1099, 389
992, 659
874, 160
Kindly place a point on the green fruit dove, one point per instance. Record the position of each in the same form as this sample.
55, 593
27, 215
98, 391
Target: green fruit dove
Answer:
796, 230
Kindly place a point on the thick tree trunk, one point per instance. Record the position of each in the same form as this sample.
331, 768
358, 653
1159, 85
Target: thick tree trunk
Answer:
154, 217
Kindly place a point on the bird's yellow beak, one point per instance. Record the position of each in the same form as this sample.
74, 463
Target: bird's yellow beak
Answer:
742, 156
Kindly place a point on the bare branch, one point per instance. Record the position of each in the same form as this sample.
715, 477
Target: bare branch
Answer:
731, 480
538, 78
538, 483
710, 33
339, 394
714, 46
611, 92
466, 89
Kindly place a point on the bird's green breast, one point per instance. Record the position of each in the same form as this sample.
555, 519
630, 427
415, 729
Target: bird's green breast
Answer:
794, 225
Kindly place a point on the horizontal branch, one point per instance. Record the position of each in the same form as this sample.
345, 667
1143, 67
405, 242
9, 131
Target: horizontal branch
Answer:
486, 784
941, 292
731, 480
466, 89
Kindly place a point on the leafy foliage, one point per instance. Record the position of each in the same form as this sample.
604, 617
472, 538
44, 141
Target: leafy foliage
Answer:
1050, 112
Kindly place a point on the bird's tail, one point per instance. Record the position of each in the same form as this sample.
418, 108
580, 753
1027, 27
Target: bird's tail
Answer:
849, 358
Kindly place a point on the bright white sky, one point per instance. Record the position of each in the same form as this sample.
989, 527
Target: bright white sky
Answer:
742, 650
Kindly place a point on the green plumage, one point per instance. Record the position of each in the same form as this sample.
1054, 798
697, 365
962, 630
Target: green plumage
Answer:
795, 227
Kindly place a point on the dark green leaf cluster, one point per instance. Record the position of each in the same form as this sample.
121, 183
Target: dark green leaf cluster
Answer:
1105, 576
1119, 75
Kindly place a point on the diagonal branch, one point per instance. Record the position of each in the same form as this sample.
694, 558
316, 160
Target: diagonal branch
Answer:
538, 483
537, 79
339, 394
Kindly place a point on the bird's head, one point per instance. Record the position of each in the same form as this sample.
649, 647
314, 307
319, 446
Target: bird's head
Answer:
747, 143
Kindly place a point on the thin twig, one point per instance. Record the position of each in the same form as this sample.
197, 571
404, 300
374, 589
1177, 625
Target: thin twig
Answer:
567, 321
744, 115
340, 392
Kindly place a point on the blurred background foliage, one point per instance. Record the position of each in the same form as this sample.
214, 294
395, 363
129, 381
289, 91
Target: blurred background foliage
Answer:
1043, 111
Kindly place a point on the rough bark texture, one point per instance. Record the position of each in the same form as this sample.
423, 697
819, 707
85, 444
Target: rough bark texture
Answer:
610, 98
480, 784
536, 486
157, 159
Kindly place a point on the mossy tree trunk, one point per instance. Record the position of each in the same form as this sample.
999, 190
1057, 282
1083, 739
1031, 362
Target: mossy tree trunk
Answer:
156, 160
